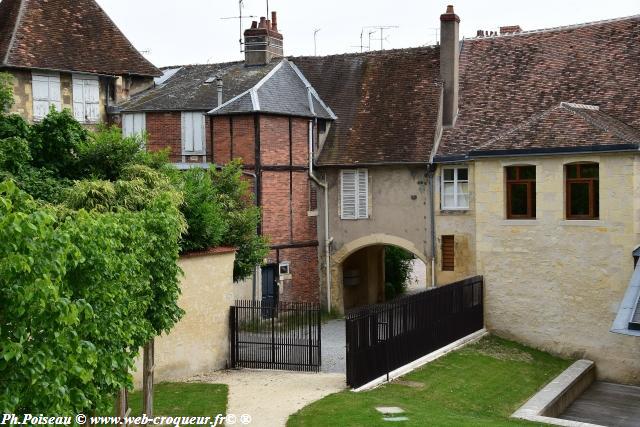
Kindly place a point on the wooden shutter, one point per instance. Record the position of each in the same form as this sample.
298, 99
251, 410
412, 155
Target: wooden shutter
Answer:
55, 97
348, 194
92, 99
193, 133
198, 132
448, 253
46, 92
363, 194
78, 100
128, 124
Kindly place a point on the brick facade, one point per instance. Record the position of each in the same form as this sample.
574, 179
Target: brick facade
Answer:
164, 130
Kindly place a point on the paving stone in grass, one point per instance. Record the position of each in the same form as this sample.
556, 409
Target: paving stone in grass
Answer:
389, 410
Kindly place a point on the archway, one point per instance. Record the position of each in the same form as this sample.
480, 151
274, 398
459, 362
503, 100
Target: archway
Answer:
358, 275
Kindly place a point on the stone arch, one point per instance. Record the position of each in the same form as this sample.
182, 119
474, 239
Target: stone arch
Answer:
342, 254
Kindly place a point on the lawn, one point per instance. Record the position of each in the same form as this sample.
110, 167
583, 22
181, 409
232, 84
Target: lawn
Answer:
184, 399
479, 385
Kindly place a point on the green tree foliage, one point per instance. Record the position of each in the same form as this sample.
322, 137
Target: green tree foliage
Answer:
242, 218
397, 270
106, 153
207, 224
81, 292
6, 92
56, 142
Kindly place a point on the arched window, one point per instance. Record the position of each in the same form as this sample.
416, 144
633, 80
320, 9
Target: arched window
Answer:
521, 192
582, 190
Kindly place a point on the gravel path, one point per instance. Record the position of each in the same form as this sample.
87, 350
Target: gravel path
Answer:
333, 347
269, 397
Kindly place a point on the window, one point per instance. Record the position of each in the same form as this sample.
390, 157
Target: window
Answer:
521, 192
46, 93
86, 98
313, 197
582, 191
354, 194
133, 124
455, 188
448, 253
193, 133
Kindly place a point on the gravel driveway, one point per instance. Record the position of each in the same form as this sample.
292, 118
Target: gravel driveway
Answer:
333, 347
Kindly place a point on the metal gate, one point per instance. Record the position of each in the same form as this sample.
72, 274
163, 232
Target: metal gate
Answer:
384, 337
282, 336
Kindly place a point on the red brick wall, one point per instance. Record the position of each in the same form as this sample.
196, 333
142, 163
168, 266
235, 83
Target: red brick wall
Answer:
303, 285
300, 130
221, 140
275, 207
304, 226
244, 139
164, 130
274, 140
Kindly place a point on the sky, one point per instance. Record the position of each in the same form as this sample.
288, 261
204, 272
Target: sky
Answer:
178, 32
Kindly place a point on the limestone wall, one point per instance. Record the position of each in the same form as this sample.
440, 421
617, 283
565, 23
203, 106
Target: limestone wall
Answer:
200, 341
556, 284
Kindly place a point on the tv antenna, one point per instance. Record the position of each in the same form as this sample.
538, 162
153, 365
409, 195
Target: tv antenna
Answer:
369, 34
315, 42
382, 38
239, 18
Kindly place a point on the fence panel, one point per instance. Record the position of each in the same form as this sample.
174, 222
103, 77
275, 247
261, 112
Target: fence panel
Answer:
384, 337
285, 336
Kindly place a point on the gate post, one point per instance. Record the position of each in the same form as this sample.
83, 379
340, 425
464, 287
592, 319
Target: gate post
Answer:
233, 343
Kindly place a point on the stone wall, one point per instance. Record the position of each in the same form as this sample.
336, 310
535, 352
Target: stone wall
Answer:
557, 284
200, 341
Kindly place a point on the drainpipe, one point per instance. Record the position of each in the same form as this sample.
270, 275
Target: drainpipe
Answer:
431, 170
327, 240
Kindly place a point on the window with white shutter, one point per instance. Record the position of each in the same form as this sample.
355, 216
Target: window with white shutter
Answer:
86, 98
354, 189
133, 124
193, 133
46, 93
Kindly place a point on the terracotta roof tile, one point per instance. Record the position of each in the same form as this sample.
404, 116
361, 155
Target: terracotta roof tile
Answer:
66, 35
386, 102
507, 80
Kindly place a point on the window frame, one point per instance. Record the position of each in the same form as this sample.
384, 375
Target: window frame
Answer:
593, 215
203, 149
455, 183
357, 195
84, 81
133, 132
531, 191
452, 239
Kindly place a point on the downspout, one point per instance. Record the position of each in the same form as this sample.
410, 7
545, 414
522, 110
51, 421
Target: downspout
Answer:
327, 241
431, 169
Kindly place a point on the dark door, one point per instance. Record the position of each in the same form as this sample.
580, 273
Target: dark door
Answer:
270, 289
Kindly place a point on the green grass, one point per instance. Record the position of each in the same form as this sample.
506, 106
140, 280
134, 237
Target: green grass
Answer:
184, 399
479, 385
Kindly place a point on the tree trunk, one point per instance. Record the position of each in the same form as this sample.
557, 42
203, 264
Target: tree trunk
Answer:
148, 367
122, 405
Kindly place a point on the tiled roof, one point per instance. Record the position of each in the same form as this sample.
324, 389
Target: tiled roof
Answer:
566, 125
283, 91
187, 88
66, 35
386, 102
509, 80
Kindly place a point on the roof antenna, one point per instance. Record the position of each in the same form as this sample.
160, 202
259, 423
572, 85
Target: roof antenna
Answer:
381, 28
239, 17
315, 43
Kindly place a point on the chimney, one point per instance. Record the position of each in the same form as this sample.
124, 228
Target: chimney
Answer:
510, 29
449, 63
263, 42
219, 86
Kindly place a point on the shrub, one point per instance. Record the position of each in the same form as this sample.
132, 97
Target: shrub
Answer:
397, 269
242, 218
105, 154
56, 141
14, 154
6, 91
202, 211
14, 126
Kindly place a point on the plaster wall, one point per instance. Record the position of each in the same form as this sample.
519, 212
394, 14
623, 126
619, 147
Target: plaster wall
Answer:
553, 283
199, 342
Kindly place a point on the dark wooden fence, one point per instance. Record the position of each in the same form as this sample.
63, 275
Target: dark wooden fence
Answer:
384, 337
285, 336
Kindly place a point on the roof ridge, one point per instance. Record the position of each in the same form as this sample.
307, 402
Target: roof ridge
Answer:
14, 32
576, 110
202, 65
516, 128
368, 53
552, 29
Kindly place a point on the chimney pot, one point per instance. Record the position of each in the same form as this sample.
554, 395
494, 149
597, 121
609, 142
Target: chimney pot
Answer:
480, 33
274, 21
510, 29
450, 9
263, 22
254, 25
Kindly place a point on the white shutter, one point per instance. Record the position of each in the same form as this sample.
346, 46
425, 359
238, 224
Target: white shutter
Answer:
193, 133
363, 194
128, 124
187, 132
92, 100
198, 132
40, 87
348, 194
55, 97
78, 100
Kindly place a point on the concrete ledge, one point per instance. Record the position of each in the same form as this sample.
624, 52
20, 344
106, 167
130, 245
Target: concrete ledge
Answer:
403, 370
556, 396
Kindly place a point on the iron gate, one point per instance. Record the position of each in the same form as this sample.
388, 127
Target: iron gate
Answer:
282, 336
384, 337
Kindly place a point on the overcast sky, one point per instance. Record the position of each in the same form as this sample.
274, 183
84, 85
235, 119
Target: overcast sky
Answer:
191, 31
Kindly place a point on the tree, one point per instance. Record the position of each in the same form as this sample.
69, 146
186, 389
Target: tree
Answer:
397, 270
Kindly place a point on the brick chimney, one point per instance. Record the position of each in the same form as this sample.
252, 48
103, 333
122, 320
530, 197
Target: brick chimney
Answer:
449, 64
510, 29
262, 42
